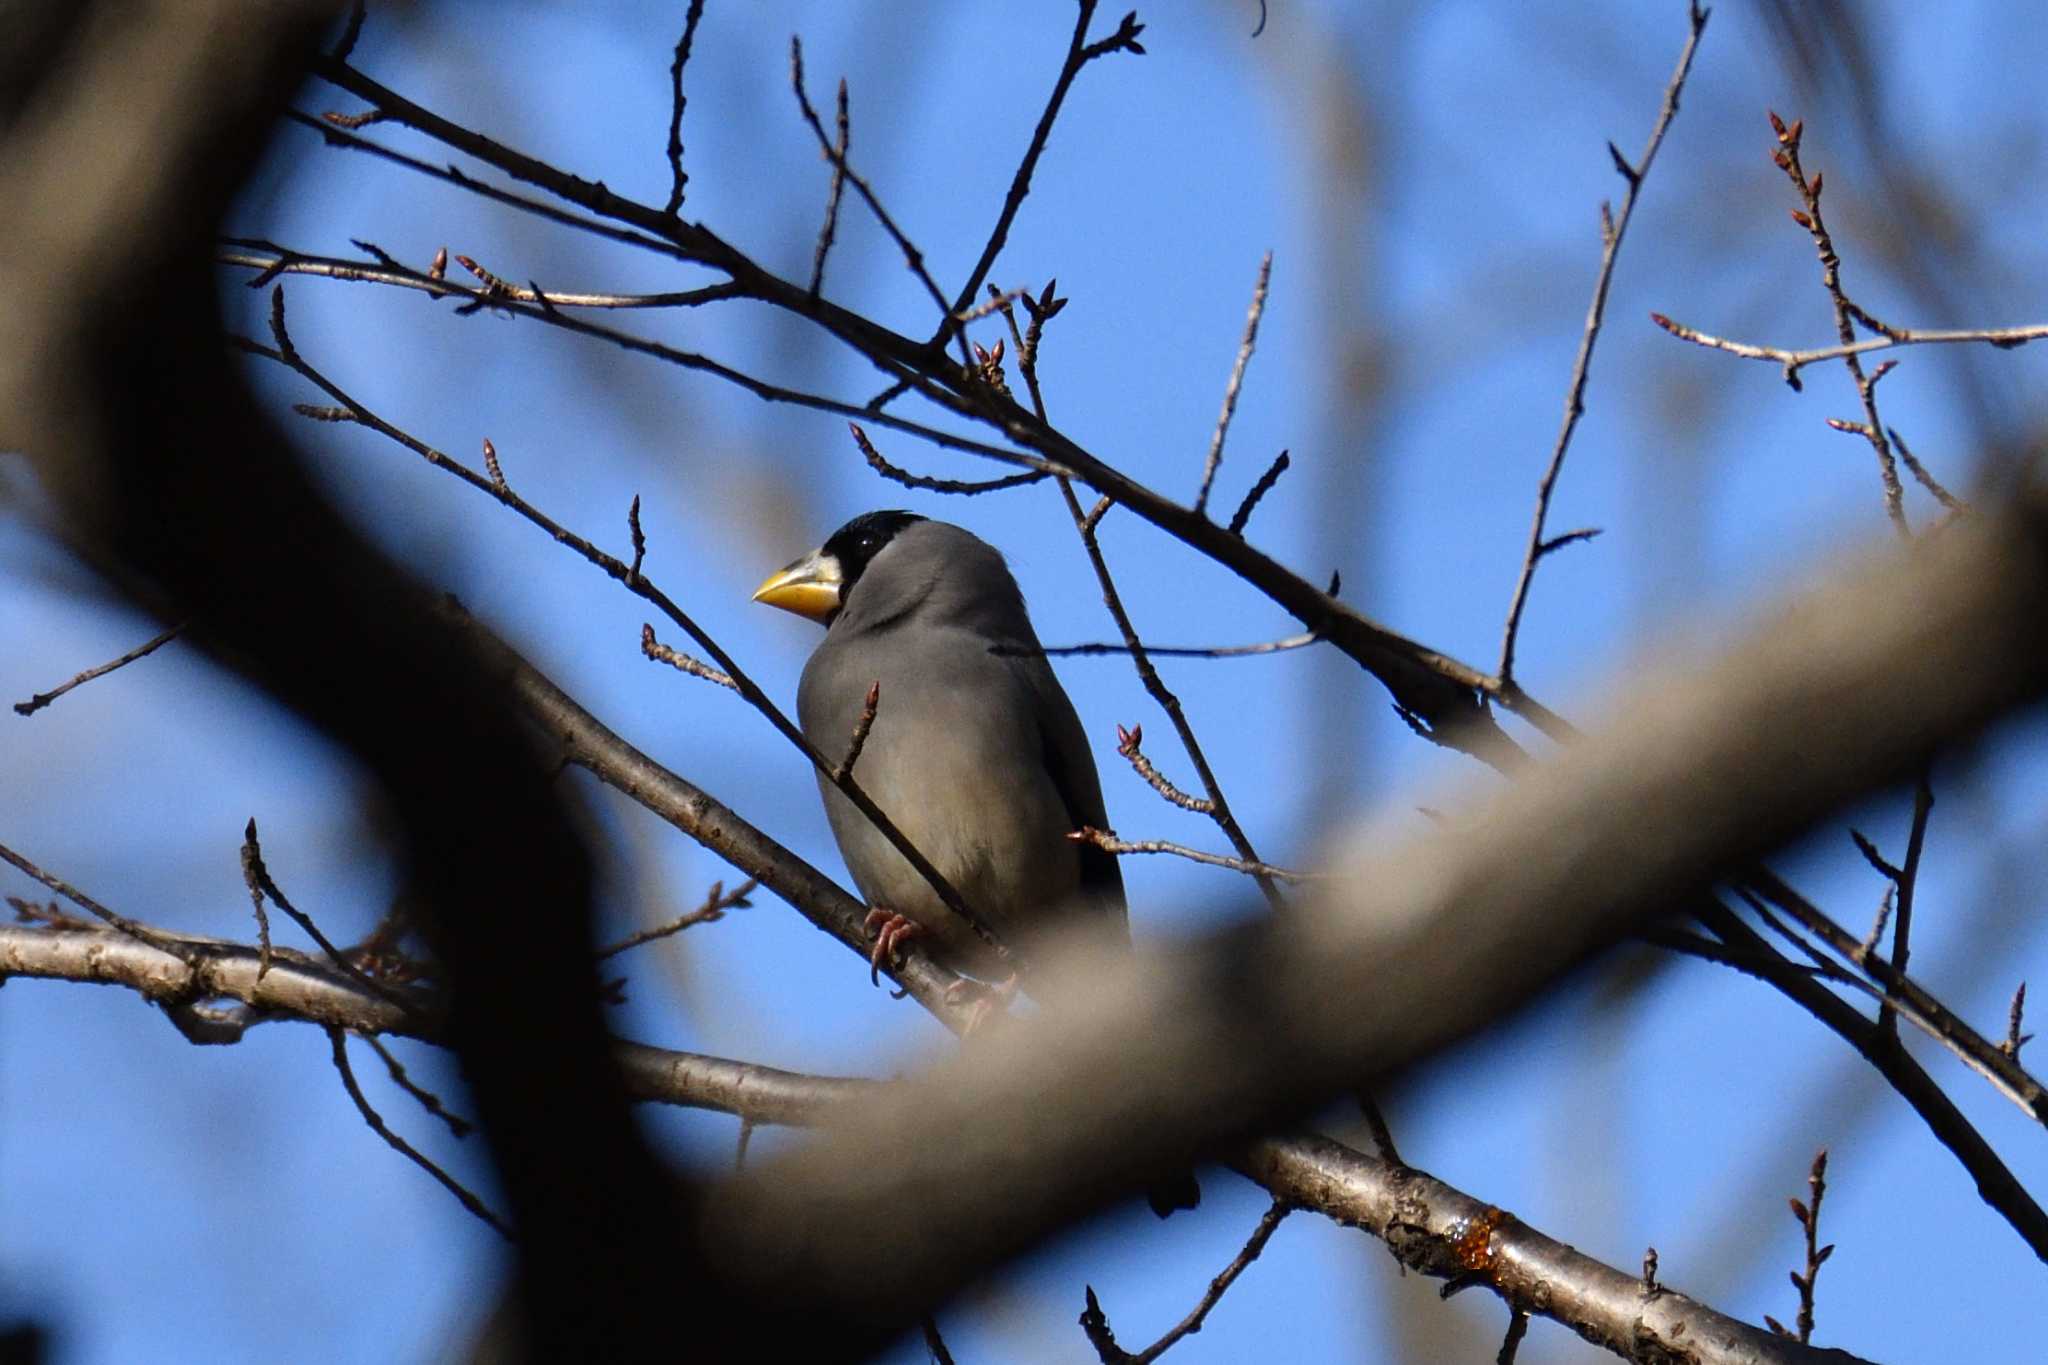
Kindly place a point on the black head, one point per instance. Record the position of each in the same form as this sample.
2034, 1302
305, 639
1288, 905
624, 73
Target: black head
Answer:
856, 544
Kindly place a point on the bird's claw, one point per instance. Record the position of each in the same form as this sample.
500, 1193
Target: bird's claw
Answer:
888, 929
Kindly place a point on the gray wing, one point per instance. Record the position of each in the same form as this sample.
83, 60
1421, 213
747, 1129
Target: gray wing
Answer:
1072, 766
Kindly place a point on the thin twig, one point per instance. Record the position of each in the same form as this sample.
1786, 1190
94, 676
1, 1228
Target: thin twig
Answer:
678, 177
459, 1126
1243, 515
140, 932
1511, 1340
270, 262
1909, 874
1613, 229
260, 884
1883, 919
675, 658
1382, 1136
1214, 460
1095, 1323
1793, 361
1086, 523
716, 902
1300, 641
1906, 996
1215, 806
1925, 479
1042, 309
1807, 1215
861, 726
52, 915
42, 699
773, 393
250, 862
830, 228
1848, 315
841, 168
909, 480
1746, 951
742, 1143
1080, 52
1127, 744
339, 1039
2014, 1014
1109, 843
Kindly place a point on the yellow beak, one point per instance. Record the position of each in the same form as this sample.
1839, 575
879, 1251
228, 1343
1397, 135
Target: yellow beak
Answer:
809, 587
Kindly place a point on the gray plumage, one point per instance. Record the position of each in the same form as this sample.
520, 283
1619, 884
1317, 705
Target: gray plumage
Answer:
976, 753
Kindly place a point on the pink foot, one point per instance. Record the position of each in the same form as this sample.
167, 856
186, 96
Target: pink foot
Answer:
987, 998
887, 929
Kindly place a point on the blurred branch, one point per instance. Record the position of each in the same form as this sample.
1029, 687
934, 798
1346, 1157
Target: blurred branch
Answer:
1308, 1171
164, 474
1407, 950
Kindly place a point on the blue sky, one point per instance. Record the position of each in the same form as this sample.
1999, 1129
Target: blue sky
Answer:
1427, 178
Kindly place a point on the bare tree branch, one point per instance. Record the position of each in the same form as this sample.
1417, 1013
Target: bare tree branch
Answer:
42, 699
1428, 1225
1612, 229
1793, 361
678, 177
1214, 460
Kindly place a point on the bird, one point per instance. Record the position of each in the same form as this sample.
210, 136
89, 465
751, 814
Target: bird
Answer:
972, 749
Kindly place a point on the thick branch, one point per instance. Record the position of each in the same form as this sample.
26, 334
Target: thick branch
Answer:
1428, 1225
